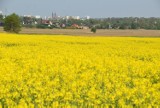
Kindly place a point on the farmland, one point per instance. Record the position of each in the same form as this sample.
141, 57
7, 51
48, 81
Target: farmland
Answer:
87, 32
77, 71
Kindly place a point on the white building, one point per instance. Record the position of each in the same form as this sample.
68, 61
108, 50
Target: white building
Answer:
27, 15
77, 17
37, 16
87, 17
1, 12
67, 17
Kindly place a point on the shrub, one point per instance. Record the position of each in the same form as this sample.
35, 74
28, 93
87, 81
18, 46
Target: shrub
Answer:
93, 29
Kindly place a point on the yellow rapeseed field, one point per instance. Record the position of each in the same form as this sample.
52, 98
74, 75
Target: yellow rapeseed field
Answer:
38, 71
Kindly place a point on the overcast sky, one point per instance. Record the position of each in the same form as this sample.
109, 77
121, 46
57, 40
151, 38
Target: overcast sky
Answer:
93, 8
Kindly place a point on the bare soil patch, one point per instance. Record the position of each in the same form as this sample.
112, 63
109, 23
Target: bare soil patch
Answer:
81, 32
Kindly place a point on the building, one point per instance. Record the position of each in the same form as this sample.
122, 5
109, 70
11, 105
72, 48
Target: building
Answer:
76, 17
87, 17
75, 26
67, 17
27, 16
37, 17
1, 12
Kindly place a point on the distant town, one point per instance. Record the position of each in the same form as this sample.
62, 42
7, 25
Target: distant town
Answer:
86, 22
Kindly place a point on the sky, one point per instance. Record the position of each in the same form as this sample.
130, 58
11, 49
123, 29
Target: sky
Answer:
93, 8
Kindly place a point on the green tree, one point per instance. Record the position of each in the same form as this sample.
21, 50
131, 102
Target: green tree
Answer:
12, 23
1, 20
1, 17
133, 26
93, 29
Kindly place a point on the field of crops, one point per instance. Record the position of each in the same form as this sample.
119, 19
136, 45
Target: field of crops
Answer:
69, 72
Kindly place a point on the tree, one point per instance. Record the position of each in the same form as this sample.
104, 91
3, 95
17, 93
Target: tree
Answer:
1, 17
1, 20
93, 29
133, 26
12, 23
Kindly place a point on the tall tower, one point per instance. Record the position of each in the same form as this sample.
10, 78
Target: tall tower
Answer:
54, 15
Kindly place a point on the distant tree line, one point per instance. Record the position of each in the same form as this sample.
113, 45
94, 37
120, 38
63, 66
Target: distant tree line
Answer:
127, 23
102, 23
98, 23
